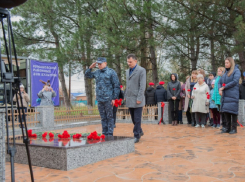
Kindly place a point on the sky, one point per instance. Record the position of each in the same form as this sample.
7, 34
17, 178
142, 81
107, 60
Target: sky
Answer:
77, 83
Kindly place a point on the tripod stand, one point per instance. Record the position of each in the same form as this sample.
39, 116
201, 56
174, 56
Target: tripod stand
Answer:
13, 83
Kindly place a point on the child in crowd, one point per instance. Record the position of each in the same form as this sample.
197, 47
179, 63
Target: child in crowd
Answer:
214, 108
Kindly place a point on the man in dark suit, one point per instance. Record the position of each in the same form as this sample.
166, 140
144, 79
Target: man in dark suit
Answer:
135, 98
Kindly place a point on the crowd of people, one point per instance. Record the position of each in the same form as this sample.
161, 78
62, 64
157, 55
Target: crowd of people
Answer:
213, 98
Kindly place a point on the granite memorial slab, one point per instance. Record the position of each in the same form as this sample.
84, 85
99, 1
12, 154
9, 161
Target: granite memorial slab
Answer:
67, 154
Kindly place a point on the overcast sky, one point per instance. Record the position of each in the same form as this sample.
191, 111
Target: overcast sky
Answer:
77, 83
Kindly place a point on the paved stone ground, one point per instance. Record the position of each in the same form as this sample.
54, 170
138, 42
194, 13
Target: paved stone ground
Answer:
165, 153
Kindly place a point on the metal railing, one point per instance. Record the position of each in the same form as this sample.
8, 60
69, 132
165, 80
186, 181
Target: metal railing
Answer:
77, 114
149, 113
31, 118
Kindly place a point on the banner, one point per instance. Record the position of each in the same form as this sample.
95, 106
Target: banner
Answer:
41, 72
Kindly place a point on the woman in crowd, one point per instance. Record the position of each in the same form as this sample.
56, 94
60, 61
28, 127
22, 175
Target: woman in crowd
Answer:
173, 90
216, 96
201, 71
188, 101
200, 98
229, 90
25, 100
46, 95
214, 108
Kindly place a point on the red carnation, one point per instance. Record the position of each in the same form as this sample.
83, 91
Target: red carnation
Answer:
223, 84
207, 93
183, 89
194, 88
44, 134
34, 135
174, 89
103, 136
188, 90
29, 133
121, 86
208, 96
51, 135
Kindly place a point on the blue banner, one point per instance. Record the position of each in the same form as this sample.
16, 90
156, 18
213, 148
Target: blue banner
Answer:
41, 72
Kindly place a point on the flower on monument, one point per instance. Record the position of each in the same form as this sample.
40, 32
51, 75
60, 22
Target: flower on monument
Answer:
64, 135
51, 135
223, 84
102, 136
29, 133
94, 136
77, 136
44, 134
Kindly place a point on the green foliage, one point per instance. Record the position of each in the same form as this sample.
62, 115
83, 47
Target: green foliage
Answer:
82, 30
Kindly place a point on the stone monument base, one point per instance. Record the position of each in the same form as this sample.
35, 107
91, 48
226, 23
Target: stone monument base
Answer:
67, 154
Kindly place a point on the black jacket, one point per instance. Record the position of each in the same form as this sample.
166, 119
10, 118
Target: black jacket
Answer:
150, 96
242, 91
174, 85
160, 94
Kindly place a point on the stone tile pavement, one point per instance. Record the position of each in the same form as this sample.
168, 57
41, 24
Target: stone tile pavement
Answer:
164, 154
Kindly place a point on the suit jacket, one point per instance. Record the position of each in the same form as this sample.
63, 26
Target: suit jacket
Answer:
135, 87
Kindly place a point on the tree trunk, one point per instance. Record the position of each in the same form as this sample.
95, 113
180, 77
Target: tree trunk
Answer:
118, 68
154, 65
63, 86
213, 63
88, 89
61, 72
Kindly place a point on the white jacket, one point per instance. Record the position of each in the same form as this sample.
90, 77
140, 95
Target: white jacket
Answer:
200, 98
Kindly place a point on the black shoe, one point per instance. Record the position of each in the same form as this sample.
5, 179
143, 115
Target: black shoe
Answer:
232, 132
136, 140
141, 134
225, 130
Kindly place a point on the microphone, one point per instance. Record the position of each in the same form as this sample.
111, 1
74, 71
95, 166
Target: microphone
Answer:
11, 3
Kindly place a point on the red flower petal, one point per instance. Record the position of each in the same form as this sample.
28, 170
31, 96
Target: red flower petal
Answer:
223, 84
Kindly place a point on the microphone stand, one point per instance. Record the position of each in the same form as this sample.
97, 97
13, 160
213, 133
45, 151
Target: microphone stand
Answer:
7, 78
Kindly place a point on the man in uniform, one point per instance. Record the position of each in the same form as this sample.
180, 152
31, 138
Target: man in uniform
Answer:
107, 90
